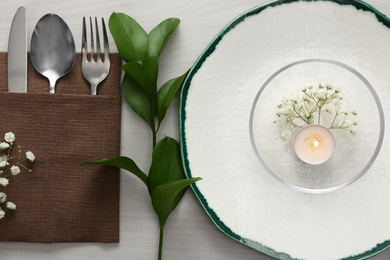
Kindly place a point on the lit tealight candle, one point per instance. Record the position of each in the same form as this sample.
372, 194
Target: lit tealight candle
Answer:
314, 144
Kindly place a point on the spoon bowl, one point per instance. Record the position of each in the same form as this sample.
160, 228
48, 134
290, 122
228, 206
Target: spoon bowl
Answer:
53, 51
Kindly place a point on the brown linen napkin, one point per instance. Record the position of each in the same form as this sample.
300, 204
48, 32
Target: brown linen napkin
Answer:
60, 201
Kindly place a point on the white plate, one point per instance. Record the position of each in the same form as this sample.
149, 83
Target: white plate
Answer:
242, 199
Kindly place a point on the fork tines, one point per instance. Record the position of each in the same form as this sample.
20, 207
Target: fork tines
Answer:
94, 67
105, 38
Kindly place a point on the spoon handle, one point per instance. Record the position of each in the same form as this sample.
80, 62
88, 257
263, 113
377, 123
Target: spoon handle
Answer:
52, 87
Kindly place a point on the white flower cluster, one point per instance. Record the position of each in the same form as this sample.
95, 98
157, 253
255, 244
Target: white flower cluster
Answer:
307, 108
8, 167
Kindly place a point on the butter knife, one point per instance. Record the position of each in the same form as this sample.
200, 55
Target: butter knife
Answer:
17, 53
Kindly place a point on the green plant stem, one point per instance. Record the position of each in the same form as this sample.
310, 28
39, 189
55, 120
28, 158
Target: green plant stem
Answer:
154, 138
299, 115
160, 245
319, 115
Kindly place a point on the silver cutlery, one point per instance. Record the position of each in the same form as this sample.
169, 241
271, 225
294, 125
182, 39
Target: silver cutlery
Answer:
96, 69
53, 51
17, 53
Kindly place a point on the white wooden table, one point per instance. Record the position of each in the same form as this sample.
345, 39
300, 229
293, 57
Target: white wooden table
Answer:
190, 234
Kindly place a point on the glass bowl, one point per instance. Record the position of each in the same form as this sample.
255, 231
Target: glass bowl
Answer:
354, 153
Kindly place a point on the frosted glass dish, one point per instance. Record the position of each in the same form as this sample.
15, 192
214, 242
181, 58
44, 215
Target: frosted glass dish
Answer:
353, 154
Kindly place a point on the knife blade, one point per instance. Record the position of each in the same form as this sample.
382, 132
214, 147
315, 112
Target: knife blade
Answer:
17, 53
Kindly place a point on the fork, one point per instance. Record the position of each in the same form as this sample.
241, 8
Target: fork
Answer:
94, 70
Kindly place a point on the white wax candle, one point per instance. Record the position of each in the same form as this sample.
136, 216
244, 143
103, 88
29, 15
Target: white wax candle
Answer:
314, 144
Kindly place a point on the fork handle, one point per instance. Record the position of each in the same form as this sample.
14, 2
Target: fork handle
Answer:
93, 88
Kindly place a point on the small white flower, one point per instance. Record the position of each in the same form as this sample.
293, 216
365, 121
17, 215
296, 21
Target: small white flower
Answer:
3, 164
346, 123
30, 156
329, 110
4, 145
4, 181
2, 213
336, 101
322, 96
283, 121
15, 170
286, 134
299, 105
289, 110
4, 158
3, 197
283, 111
11, 205
9, 137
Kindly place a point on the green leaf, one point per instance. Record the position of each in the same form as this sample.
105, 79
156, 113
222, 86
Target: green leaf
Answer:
130, 38
122, 162
166, 94
145, 73
165, 197
160, 35
138, 100
166, 164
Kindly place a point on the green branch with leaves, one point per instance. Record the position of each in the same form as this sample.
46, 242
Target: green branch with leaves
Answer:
165, 181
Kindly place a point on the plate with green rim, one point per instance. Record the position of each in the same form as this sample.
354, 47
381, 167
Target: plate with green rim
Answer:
241, 198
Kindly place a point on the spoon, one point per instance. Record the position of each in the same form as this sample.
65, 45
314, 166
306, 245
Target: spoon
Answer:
52, 48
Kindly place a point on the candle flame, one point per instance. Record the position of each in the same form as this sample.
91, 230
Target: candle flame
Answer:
315, 144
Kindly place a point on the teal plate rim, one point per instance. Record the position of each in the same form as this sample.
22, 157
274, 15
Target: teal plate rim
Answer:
359, 5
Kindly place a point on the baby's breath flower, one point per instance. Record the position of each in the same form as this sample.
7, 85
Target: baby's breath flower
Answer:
336, 101
346, 123
9, 137
283, 121
299, 105
30, 156
322, 96
286, 134
310, 106
4, 181
353, 131
15, 170
3, 197
4, 146
329, 110
11, 205
3, 164
12, 162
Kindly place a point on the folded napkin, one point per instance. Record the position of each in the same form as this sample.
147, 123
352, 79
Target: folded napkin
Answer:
59, 201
